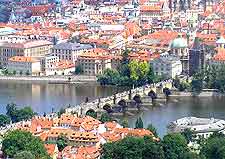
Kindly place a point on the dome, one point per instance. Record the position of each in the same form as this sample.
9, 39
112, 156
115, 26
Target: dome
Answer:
179, 42
221, 40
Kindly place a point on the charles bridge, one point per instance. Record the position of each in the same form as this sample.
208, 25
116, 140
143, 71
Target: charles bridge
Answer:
142, 91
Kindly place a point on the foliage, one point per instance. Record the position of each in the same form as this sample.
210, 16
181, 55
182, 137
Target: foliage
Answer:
188, 134
17, 115
139, 123
133, 148
4, 120
5, 72
174, 146
17, 141
212, 77
79, 70
24, 155
61, 111
27, 72
192, 155
14, 72
151, 128
131, 72
105, 118
214, 147
91, 113
62, 142
124, 123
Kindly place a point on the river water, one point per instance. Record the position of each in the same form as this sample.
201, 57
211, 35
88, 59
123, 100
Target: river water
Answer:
42, 97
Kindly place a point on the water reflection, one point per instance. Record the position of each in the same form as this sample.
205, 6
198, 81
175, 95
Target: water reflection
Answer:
43, 97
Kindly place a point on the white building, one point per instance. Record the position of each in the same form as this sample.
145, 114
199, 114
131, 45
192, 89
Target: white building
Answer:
69, 51
24, 65
62, 67
167, 65
201, 127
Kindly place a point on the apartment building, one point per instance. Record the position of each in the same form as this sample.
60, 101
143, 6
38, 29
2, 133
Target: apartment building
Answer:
167, 65
24, 65
94, 61
69, 51
35, 49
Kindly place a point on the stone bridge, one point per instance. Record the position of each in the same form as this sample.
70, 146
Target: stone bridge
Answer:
96, 104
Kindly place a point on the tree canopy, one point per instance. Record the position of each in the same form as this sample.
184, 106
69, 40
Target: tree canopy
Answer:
212, 77
129, 73
139, 123
24, 155
17, 115
17, 141
105, 118
4, 120
133, 148
174, 146
214, 147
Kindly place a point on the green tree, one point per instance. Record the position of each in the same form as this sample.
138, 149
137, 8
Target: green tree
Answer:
4, 120
105, 118
139, 123
17, 115
152, 149
214, 147
14, 72
109, 77
133, 148
79, 70
124, 123
151, 128
16, 141
133, 67
27, 73
192, 155
24, 155
61, 111
174, 146
11, 111
21, 73
188, 134
91, 113
25, 113
5, 72
62, 142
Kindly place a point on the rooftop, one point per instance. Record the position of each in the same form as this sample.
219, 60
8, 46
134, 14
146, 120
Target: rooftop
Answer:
72, 46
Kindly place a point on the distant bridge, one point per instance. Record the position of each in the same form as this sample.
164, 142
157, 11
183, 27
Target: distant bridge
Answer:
142, 91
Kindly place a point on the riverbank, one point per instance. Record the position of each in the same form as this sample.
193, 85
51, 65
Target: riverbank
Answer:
194, 94
52, 79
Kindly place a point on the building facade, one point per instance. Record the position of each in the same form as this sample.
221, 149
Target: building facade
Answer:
69, 51
35, 49
168, 66
24, 65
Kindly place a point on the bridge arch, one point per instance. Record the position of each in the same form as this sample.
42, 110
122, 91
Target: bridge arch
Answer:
152, 94
91, 112
107, 107
137, 99
166, 91
123, 104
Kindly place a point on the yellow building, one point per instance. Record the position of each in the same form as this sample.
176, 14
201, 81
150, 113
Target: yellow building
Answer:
38, 48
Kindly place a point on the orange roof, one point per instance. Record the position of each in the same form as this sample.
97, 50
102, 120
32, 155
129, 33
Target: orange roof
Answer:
110, 125
66, 119
220, 56
146, 8
50, 148
22, 59
111, 136
63, 64
96, 53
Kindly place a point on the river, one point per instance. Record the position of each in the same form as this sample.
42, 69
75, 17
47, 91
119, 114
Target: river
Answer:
42, 97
